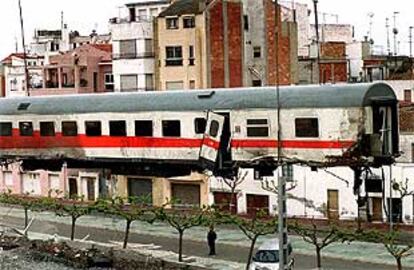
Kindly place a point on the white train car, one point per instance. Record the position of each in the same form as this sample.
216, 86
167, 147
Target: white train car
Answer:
329, 125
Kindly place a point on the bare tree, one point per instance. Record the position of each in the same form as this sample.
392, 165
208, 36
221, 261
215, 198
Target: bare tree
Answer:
392, 242
402, 187
233, 183
319, 237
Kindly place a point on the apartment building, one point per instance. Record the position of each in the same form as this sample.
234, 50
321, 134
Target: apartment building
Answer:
133, 45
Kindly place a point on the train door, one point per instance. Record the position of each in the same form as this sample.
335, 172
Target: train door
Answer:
224, 154
211, 141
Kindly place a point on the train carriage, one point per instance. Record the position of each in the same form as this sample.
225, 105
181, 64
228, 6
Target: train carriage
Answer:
329, 125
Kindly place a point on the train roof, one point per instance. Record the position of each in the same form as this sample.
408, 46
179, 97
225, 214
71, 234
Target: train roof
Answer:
314, 96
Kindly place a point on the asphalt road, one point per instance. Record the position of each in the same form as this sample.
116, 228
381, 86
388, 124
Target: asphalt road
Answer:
225, 252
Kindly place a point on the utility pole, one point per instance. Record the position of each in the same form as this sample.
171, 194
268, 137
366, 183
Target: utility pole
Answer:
395, 32
387, 25
26, 71
410, 38
318, 59
281, 226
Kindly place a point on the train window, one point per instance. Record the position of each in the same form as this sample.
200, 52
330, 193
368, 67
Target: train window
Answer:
171, 128
69, 128
257, 128
26, 128
307, 127
200, 125
6, 129
47, 129
93, 128
143, 128
117, 128
214, 127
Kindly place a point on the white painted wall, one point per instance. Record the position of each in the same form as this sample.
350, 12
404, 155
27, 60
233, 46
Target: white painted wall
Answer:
314, 187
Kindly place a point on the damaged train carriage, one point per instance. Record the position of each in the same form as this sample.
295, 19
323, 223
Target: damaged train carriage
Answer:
176, 132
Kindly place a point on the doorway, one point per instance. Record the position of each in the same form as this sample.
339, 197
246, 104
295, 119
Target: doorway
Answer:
73, 188
95, 81
376, 209
333, 204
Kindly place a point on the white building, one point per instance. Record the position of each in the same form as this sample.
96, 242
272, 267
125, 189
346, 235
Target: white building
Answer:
133, 52
14, 74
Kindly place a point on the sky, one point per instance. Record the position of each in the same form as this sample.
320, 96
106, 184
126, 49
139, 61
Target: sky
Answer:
86, 15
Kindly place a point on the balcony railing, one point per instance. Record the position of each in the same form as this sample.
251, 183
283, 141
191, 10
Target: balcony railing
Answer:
137, 19
118, 56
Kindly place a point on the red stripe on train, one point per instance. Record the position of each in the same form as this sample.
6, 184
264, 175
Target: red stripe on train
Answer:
82, 141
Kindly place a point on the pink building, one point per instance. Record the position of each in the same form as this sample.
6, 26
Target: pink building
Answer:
86, 69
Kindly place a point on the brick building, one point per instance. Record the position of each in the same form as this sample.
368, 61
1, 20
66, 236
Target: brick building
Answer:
223, 43
333, 64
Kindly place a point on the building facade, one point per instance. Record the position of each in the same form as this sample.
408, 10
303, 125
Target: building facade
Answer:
86, 69
133, 46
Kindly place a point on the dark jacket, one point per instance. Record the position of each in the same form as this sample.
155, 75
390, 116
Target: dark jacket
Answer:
211, 237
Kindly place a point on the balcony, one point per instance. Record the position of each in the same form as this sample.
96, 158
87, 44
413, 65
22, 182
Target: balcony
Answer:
136, 19
138, 55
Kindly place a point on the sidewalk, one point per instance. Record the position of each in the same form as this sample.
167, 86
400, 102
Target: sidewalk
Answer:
356, 251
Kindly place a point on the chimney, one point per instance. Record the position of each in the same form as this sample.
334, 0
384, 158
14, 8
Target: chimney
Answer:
199, 5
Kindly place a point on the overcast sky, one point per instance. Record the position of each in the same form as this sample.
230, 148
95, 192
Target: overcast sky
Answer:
85, 15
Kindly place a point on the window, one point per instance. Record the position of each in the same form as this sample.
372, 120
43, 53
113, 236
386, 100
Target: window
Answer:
287, 172
142, 14
47, 129
132, 14
412, 153
189, 22
109, 81
307, 127
128, 48
246, 22
200, 125
148, 46
171, 128
257, 83
192, 84
257, 52
26, 128
143, 128
191, 55
214, 128
6, 129
257, 128
154, 12
407, 95
117, 128
174, 56
69, 128
149, 82
23, 106
93, 128
129, 83
172, 23
174, 85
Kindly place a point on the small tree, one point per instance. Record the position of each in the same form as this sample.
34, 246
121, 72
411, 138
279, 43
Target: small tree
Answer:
138, 209
253, 228
71, 208
25, 201
182, 220
392, 243
320, 238
232, 183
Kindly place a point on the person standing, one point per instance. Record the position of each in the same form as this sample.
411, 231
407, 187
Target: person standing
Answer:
211, 240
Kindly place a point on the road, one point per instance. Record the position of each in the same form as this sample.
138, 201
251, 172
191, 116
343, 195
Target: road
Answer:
195, 248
